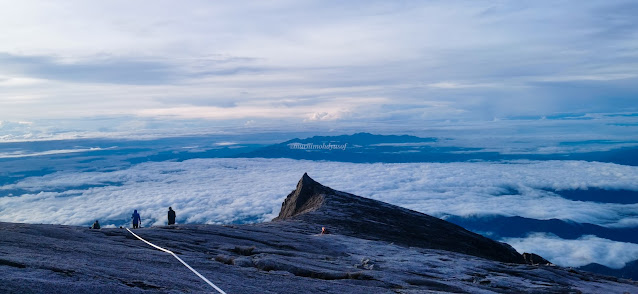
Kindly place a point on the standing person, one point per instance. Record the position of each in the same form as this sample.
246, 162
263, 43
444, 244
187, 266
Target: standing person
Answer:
136, 219
171, 216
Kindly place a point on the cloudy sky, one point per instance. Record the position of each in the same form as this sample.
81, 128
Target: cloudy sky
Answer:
398, 65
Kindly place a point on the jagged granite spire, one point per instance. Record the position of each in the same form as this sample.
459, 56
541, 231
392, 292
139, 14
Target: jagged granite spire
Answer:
347, 214
308, 196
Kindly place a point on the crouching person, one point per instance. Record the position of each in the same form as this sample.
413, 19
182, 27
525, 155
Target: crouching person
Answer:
96, 225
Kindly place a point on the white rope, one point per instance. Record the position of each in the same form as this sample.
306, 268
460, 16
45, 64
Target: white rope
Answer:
180, 260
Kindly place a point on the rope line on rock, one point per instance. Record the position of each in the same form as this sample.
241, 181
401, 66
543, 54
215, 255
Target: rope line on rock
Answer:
180, 260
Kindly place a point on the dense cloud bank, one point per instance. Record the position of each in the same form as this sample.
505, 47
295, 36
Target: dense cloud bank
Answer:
251, 190
240, 190
583, 251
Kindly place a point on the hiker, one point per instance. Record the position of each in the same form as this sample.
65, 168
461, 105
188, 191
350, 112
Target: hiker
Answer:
324, 231
96, 225
171, 216
136, 219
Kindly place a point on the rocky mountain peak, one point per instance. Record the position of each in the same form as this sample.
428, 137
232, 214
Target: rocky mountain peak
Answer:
308, 196
343, 213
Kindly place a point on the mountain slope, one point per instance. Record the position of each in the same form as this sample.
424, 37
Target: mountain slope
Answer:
286, 256
375, 220
629, 271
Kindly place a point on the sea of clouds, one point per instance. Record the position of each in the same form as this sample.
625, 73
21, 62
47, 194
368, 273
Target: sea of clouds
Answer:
251, 190
582, 251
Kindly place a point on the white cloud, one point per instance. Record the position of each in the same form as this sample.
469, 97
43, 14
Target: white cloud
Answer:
575, 253
18, 82
19, 154
601, 77
231, 190
454, 85
251, 190
325, 116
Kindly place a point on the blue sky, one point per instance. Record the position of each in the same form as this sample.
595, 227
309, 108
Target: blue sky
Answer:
116, 67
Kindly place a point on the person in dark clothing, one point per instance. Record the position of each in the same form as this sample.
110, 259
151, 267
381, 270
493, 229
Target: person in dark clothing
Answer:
136, 219
171, 216
96, 225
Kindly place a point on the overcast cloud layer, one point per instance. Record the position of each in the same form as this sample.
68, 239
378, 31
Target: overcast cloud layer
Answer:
316, 64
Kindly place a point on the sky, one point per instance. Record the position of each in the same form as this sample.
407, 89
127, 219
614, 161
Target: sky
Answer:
472, 70
116, 67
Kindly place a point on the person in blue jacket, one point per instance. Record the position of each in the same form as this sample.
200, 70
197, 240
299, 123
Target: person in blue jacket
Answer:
136, 219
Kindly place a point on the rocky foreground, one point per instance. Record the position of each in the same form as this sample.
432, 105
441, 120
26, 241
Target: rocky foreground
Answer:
373, 247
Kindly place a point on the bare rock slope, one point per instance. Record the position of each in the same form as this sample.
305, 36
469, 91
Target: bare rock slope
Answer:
356, 216
366, 253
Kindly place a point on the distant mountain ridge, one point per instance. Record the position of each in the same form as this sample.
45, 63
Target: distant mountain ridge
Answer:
629, 271
364, 148
368, 148
363, 139
499, 226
